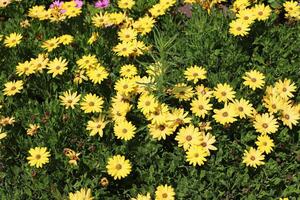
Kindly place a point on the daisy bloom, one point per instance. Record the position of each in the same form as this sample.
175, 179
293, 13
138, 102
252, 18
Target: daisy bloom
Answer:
82, 194
196, 155
97, 74
126, 4
38, 156
127, 34
57, 66
128, 71
239, 27
243, 108
265, 123
164, 192
262, 12
69, 99
12, 40
2, 134
207, 141
200, 106
285, 88
265, 144
246, 15
253, 158
225, 115
254, 79
96, 125
147, 103
124, 130
51, 44
91, 103
188, 136
118, 167
195, 73
183, 92
13, 87
224, 92
142, 197
33, 129
290, 116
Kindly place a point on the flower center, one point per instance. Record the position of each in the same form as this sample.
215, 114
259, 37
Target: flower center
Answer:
241, 109
252, 158
118, 166
225, 114
223, 93
38, 156
164, 195
124, 130
260, 13
147, 103
253, 79
204, 144
188, 138
264, 125
13, 87
91, 103
286, 116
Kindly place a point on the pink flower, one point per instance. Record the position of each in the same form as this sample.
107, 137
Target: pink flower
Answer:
57, 4
79, 3
102, 4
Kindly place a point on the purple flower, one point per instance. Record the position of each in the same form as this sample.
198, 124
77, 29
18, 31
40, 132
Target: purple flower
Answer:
102, 4
79, 3
57, 4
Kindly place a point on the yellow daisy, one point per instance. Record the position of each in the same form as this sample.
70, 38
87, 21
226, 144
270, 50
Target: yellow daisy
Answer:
195, 73
57, 66
239, 27
69, 99
164, 192
38, 156
265, 123
200, 106
265, 144
254, 79
124, 130
188, 136
262, 12
96, 125
118, 167
82, 194
224, 92
13, 87
253, 158
91, 103
12, 40
196, 155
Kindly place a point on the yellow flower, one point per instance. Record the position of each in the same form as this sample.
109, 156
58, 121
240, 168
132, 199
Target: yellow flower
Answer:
207, 141
200, 106
13, 87
183, 92
225, 115
157, 10
161, 130
239, 27
72, 12
125, 4
96, 125
128, 71
38, 156
97, 74
83, 194
147, 103
142, 197
93, 38
125, 86
247, 15
87, 62
240, 5
292, 8
118, 167
72, 155
32, 130
273, 103
91, 103
26, 68
144, 25
51, 44
196, 155
253, 158
262, 12
285, 88
124, 49
195, 73
127, 34
265, 123
224, 92
188, 136
40, 62
265, 144
12, 40
243, 108
79, 77
69, 99
124, 130
119, 110
178, 116
290, 116
2, 134
57, 66
66, 39
4, 3
201, 90
254, 79
164, 192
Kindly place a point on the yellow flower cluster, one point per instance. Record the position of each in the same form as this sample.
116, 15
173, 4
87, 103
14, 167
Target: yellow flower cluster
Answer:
246, 16
292, 9
130, 29
67, 10
205, 4
53, 43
